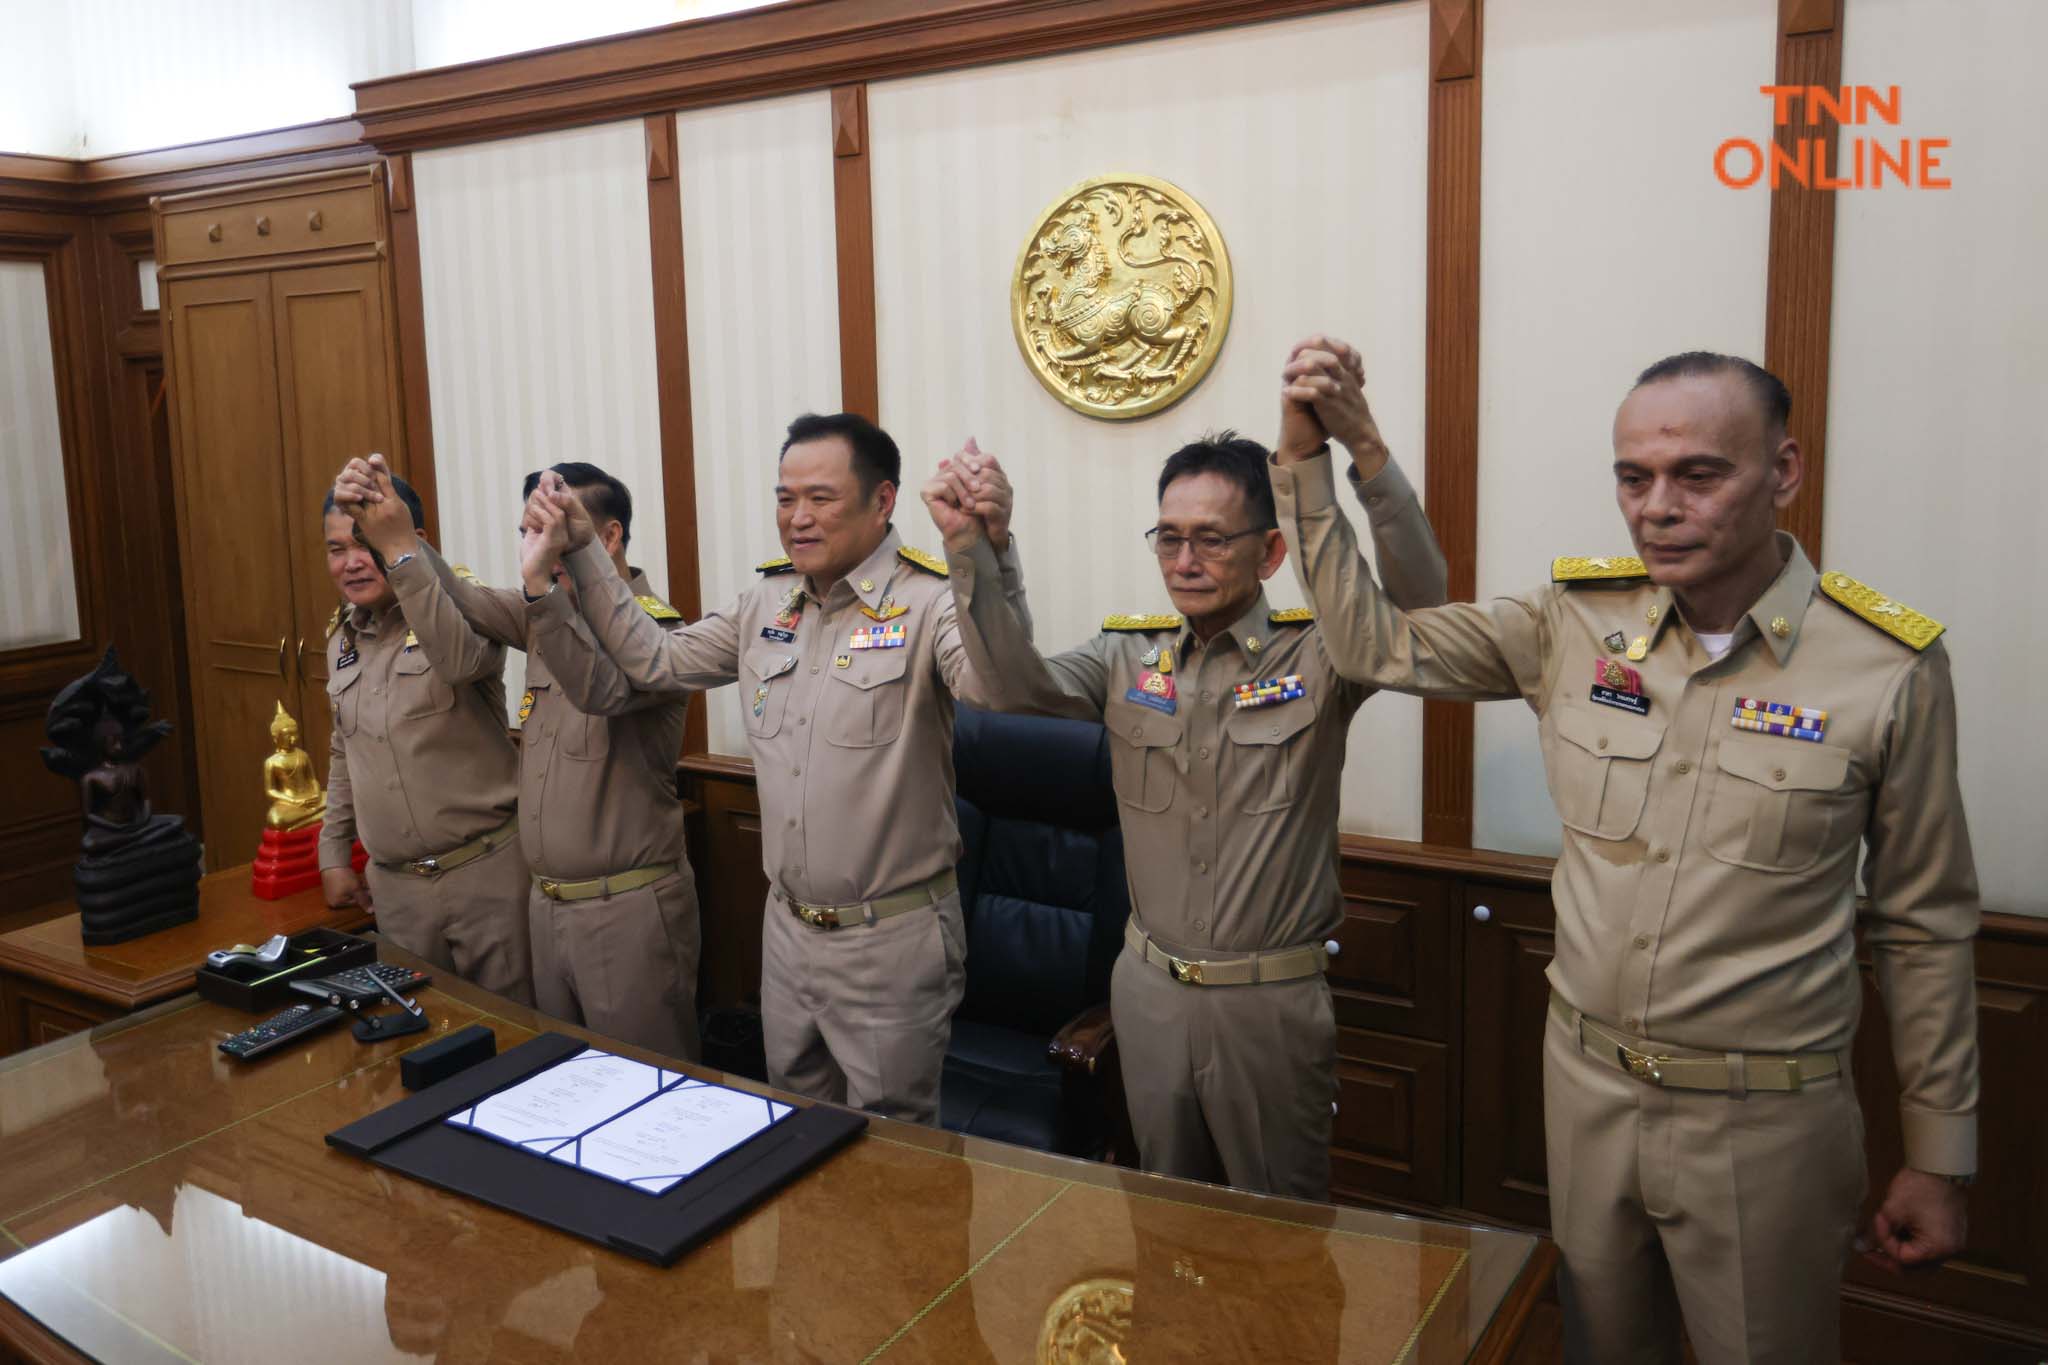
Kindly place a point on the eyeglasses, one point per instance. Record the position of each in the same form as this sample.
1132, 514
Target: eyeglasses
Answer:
1210, 545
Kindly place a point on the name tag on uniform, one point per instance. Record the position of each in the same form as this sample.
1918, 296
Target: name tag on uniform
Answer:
346, 659
780, 636
1151, 699
1616, 684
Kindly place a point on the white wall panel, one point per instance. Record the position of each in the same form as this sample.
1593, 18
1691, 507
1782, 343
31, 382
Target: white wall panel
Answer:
1935, 489
155, 73
1607, 243
450, 31
761, 272
1305, 141
38, 591
540, 334
38, 85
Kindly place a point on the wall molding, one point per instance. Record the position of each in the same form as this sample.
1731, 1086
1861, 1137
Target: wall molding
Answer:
854, 230
779, 50
127, 181
1799, 298
1451, 395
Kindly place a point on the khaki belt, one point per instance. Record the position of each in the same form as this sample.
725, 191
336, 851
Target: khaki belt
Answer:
602, 886
1281, 964
929, 892
1689, 1068
436, 864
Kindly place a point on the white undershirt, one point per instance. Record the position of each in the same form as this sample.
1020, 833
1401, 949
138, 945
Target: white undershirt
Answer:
1717, 646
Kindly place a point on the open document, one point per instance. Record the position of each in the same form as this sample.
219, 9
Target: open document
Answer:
640, 1125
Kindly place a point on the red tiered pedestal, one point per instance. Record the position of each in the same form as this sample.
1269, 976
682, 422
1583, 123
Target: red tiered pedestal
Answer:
288, 861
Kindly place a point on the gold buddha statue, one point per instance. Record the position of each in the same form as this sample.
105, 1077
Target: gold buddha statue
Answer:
296, 797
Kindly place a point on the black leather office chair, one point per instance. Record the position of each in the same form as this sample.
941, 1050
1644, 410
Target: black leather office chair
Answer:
1033, 1058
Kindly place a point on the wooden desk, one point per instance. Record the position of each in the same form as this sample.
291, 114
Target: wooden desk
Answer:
53, 983
159, 1203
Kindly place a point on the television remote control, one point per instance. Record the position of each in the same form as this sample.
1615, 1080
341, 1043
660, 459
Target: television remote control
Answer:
357, 986
279, 1029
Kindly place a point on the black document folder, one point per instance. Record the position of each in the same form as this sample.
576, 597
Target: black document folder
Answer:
410, 1137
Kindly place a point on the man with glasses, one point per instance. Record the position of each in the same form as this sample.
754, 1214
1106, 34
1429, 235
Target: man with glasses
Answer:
1227, 727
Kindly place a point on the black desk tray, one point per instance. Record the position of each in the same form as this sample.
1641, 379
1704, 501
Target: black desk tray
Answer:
409, 1137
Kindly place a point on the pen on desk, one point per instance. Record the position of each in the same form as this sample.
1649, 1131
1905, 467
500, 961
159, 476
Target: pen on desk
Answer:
289, 970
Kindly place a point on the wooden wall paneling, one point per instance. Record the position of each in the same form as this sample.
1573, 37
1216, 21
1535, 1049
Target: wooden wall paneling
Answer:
732, 890
1397, 949
685, 586
40, 821
2004, 1272
409, 312
1506, 998
1451, 420
1799, 301
853, 212
775, 50
1390, 1139
145, 603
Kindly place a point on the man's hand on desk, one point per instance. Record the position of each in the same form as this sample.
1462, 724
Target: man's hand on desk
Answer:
343, 887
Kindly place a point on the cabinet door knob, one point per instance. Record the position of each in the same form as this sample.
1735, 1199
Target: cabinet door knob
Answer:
1332, 947
1481, 913
313, 220
262, 226
280, 656
213, 232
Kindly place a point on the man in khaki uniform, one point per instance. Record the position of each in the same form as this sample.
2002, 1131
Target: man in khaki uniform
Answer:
1723, 729
611, 904
1227, 728
420, 768
848, 661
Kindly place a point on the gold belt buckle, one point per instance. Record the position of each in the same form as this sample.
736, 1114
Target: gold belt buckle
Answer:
552, 890
422, 867
1188, 972
821, 917
1641, 1065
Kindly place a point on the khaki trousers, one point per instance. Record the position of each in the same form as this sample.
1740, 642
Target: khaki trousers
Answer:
470, 922
1733, 1212
623, 965
1229, 1084
861, 1016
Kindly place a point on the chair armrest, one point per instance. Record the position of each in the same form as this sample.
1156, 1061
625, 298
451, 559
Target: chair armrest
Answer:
1085, 1041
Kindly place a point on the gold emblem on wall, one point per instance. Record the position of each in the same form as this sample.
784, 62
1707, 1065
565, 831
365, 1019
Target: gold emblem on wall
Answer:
1122, 296
1087, 1325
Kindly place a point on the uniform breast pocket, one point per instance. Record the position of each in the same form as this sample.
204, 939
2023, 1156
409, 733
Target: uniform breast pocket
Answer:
1269, 754
764, 697
1774, 802
1142, 748
415, 688
864, 708
1599, 769
343, 697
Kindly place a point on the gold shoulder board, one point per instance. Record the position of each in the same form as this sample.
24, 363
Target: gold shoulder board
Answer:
462, 572
658, 609
334, 621
929, 563
772, 566
1141, 623
1572, 569
1293, 616
1895, 619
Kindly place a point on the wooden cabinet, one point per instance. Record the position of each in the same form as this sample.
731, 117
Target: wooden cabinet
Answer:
282, 365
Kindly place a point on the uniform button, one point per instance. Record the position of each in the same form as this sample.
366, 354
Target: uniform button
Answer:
1199, 926
1631, 1023
1208, 696
1603, 741
796, 772
376, 691
792, 822
1684, 765
1201, 753
1202, 868
1777, 774
814, 668
1642, 940
803, 720
1276, 729
1201, 812
1663, 855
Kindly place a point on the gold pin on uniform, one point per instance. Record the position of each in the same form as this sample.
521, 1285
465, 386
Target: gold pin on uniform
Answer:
1780, 627
867, 585
526, 705
1639, 648
842, 661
